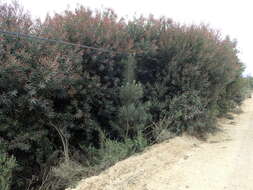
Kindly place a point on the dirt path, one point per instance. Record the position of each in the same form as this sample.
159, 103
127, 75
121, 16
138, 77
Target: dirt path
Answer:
225, 161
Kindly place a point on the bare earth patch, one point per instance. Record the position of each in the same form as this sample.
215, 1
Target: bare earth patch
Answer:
225, 161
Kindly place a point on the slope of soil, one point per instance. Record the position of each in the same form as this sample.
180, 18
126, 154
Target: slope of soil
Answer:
225, 161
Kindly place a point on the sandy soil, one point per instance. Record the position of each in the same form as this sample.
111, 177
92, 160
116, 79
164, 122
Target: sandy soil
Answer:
225, 161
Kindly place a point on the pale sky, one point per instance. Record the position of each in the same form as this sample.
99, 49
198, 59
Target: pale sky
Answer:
232, 17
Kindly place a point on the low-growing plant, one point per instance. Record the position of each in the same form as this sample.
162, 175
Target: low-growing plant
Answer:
160, 130
7, 165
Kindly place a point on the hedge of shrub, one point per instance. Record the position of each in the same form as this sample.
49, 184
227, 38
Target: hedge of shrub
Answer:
62, 103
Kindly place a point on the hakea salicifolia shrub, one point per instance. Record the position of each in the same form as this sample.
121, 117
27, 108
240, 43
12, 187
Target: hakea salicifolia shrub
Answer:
57, 98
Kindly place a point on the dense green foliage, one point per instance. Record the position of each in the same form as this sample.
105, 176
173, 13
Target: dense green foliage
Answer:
7, 164
68, 107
